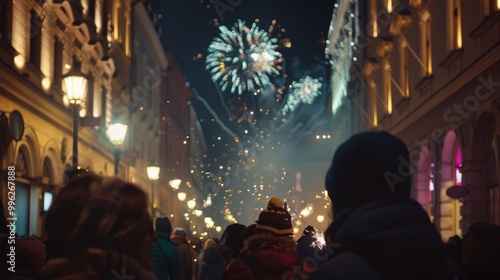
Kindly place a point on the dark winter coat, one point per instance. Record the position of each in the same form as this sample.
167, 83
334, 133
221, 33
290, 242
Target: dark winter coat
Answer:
165, 257
95, 264
215, 260
386, 240
185, 258
270, 257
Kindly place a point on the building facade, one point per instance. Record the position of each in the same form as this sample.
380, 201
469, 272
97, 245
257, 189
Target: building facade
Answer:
430, 75
41, 42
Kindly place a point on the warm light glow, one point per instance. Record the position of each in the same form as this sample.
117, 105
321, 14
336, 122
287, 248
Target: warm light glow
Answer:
117, 133
498, 4
198, 213
320, 218
218, 228
389, 6
182, 196
46, 82
295, 230
153, 172
76, 88
19, 61
175, 183
207, 220
459, 26
191, 204
373, 14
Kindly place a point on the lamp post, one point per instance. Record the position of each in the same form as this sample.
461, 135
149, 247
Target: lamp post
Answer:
75, 85
153, 175
116, 134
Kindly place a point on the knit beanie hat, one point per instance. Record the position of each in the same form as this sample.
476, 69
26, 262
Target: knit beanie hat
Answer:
369, 166
275, 218
163, 224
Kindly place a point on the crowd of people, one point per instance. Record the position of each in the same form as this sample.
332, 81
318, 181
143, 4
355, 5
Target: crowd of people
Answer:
100, 228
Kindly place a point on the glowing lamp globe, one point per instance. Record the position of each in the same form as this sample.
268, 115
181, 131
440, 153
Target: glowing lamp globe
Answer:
117, 133
153, 172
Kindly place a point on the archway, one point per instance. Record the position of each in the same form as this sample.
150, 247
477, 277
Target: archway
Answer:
451, 175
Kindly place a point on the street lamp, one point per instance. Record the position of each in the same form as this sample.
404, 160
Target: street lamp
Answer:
75, 86
116, 134
153, 175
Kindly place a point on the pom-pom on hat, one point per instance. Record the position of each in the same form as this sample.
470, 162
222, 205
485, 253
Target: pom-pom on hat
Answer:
275, 218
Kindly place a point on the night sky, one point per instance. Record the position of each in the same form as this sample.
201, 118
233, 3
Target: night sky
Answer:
268, 153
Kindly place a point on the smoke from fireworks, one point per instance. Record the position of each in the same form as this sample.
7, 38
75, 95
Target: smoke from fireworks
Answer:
242, 58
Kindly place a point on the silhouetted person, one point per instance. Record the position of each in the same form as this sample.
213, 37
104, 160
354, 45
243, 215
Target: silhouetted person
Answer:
179, 239
217, 257
99, 228
164, 253
378, 232
481, 252
454, 249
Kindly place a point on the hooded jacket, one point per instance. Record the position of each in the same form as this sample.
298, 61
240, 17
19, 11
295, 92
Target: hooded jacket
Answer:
270, 256
185, 258
215, 260
165, 257
386, 240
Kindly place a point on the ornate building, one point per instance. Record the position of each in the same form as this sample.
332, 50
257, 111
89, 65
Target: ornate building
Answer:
41, 43
431, 76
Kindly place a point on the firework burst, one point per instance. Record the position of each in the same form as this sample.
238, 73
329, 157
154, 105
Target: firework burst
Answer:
242, 58
303, 91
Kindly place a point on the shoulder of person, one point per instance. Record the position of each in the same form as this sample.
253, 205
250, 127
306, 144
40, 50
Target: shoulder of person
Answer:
238, 269
346, 266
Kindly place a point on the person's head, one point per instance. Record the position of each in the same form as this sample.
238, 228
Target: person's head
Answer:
30, 255
369, 166
231, 235
275, 219
179, 233
309, 230
92, 211
481, 246
163, 225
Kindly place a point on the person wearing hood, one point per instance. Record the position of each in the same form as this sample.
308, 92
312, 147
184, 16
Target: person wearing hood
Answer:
270, 252
164, 253
217, 257
378, 232
180, 241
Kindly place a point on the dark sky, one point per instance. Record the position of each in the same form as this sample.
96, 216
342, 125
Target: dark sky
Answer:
188, 29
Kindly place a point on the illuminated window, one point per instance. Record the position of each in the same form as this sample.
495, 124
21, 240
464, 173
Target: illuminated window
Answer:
458, 166
373, 103
404, 75
388, 5
116, 20
387, 87
431, 184
127, 35
425, 44
373, 18
454, 24
98, 16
